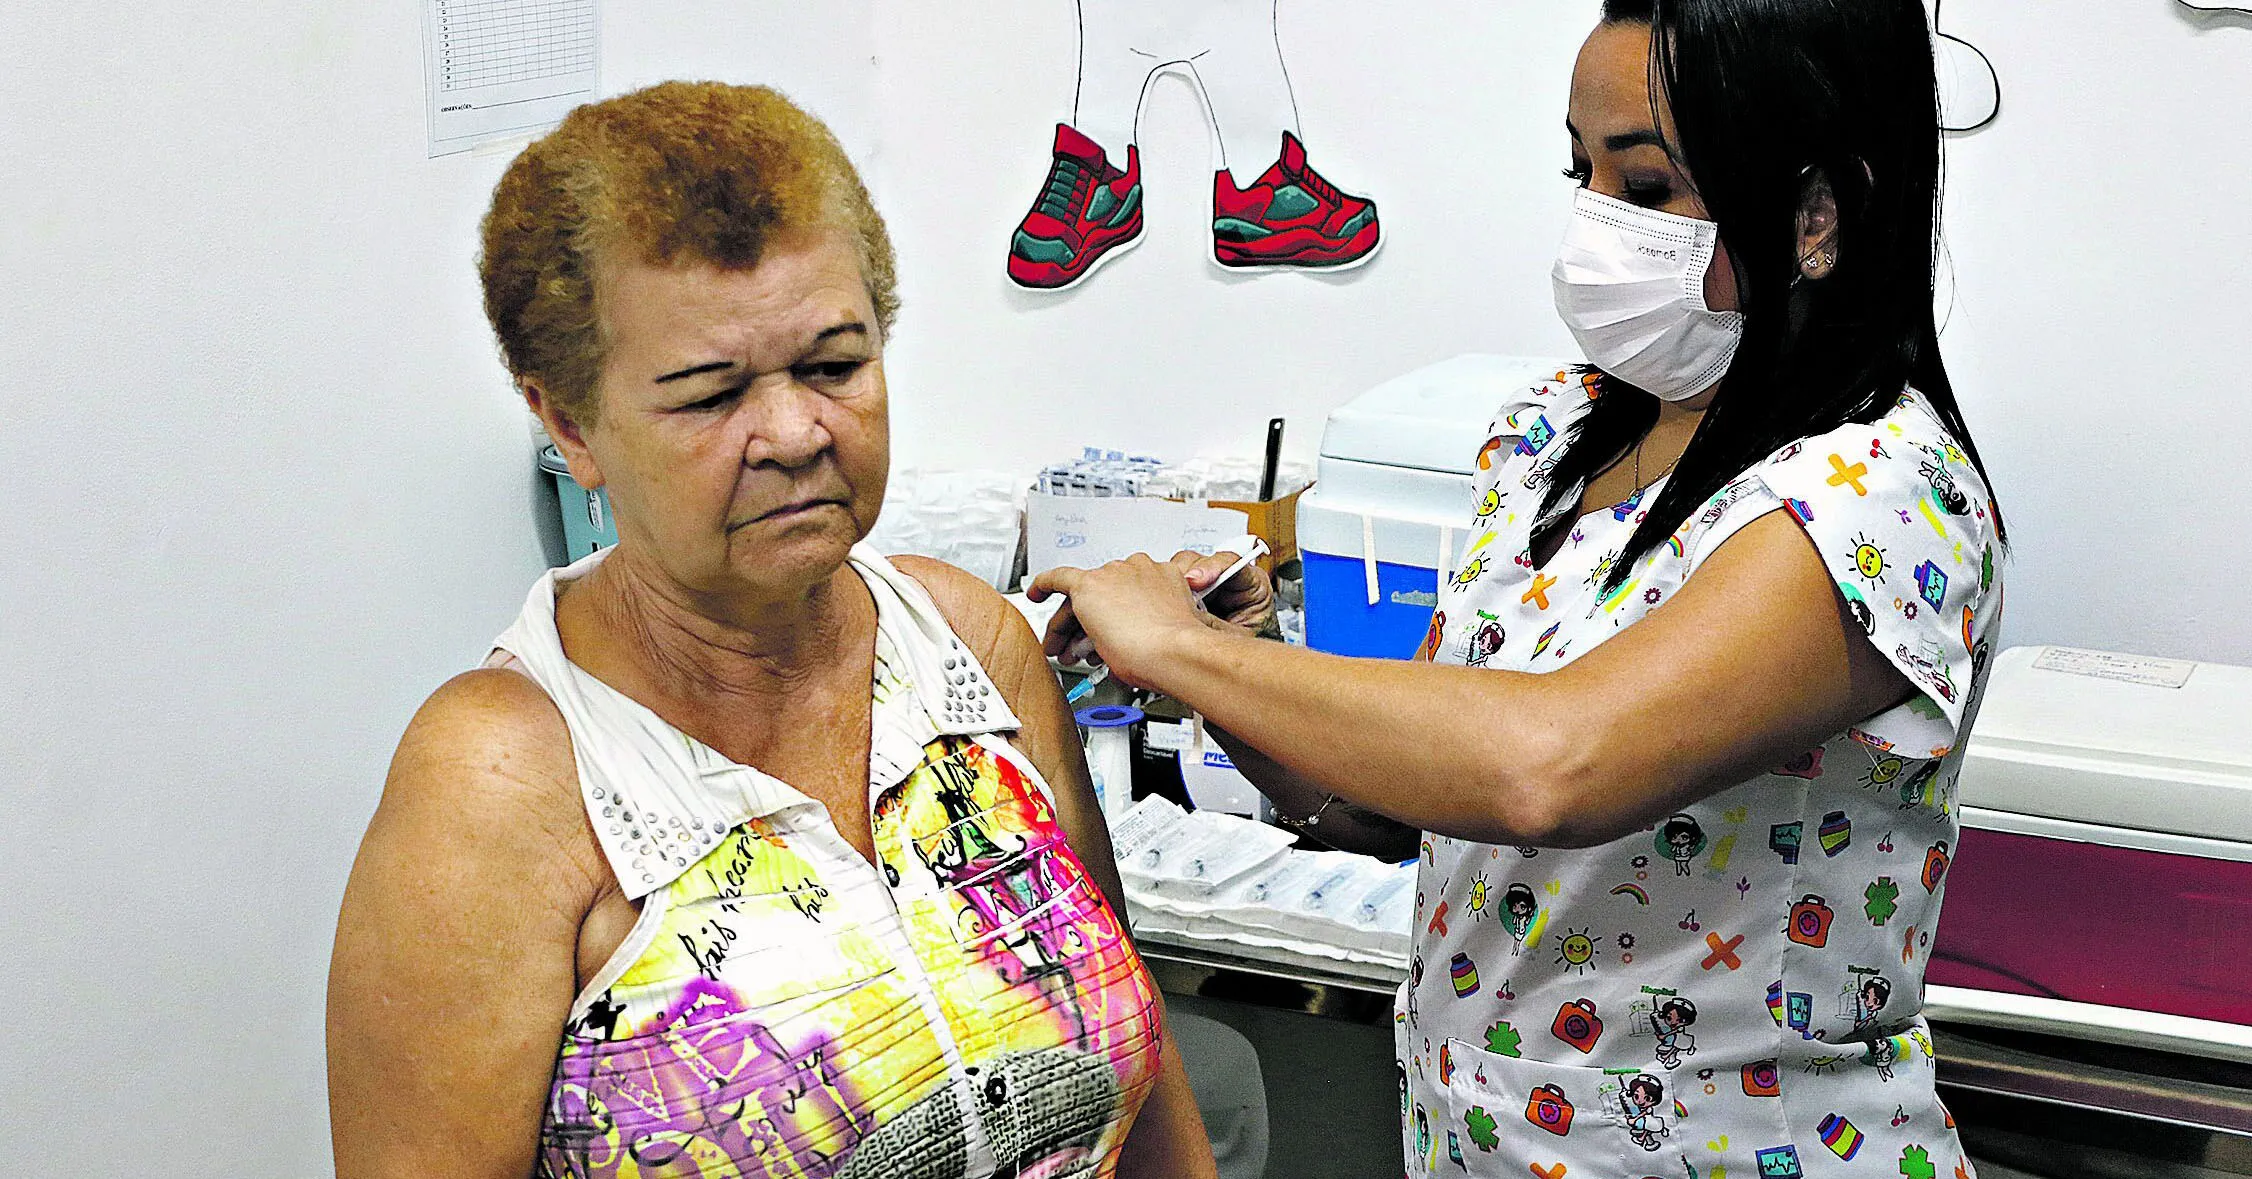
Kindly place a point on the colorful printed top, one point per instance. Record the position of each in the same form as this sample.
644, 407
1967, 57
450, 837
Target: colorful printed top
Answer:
971, 1007
1735, 990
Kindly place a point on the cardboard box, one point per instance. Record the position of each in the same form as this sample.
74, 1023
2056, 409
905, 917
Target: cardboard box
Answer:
1274, 521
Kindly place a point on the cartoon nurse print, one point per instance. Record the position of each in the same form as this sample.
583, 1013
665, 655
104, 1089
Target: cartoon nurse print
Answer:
1737, 987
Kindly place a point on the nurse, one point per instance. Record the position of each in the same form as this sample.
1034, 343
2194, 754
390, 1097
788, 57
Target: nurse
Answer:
1744, 574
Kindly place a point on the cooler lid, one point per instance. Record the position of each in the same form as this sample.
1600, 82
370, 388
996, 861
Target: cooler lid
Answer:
2117, 740
1435, 417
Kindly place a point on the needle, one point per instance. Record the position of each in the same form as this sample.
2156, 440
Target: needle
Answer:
1251, 552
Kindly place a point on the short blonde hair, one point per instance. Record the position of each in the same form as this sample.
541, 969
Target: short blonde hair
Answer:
700, 171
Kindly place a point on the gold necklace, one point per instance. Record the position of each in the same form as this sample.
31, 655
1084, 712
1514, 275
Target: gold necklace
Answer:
1639, 485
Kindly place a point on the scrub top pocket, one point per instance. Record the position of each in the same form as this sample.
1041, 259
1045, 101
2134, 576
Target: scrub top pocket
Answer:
1508, 1116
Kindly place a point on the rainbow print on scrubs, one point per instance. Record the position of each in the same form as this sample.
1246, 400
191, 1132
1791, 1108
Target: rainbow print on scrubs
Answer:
1839, 1135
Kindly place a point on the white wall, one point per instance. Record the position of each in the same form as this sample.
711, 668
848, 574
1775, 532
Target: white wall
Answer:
262, 496
1447, 114
2097, 335
265, 487
2104, 315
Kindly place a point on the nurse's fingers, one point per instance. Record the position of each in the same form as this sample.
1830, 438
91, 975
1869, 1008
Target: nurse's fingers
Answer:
1245, 601
1059, 580
1064, 632
1198, 569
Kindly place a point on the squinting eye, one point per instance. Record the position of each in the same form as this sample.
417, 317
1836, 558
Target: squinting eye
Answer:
715, 400
1649, 195
1578, 174
831, 370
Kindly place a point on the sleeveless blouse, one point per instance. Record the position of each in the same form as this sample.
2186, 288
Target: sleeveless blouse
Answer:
970, 1006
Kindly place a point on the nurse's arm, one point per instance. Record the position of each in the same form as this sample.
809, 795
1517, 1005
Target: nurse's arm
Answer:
1247, 603
1344, 825
455, 958
1753, 661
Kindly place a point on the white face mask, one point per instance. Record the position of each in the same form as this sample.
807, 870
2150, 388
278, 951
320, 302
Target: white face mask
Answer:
1630, 283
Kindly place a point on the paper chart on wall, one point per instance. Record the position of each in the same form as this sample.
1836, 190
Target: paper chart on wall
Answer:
497, 68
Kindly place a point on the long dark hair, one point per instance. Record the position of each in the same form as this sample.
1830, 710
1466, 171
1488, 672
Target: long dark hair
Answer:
1764, 93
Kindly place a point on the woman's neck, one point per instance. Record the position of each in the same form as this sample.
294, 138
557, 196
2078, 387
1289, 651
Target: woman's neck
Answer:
1669, 436
627, 617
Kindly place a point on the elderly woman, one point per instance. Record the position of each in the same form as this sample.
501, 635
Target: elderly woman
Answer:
747, 852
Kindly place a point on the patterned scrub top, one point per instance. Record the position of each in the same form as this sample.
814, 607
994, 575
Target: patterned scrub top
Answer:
782, 1007
1735, 991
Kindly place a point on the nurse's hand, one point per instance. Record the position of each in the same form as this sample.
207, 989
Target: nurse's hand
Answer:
1129, 613
1246, 602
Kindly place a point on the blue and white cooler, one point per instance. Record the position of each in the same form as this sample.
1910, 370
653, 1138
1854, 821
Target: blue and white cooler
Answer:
1393, 490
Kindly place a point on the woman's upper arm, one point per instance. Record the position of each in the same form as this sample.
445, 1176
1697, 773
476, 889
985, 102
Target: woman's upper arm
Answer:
1848, 583
1010, 653
1755, 659
454, 967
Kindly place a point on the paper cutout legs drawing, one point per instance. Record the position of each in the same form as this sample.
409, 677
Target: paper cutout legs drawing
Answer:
1089, 210
1970, 93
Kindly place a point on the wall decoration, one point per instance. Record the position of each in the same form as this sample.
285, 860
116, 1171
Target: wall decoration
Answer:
1970, 94
1287, 216
497, 69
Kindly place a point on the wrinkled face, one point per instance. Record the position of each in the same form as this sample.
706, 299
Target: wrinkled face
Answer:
743, 433
1618, 140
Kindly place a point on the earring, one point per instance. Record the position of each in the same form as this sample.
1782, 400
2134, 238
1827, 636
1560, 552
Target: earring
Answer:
1818, 262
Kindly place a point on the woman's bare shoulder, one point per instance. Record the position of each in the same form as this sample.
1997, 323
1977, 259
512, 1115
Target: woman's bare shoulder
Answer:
466, 905
486, 768
977, 612
496, 722
985, 621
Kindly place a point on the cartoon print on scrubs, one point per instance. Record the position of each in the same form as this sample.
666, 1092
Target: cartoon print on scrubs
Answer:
1669, 1022
1736, 987
797, 1011
1641, 1101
